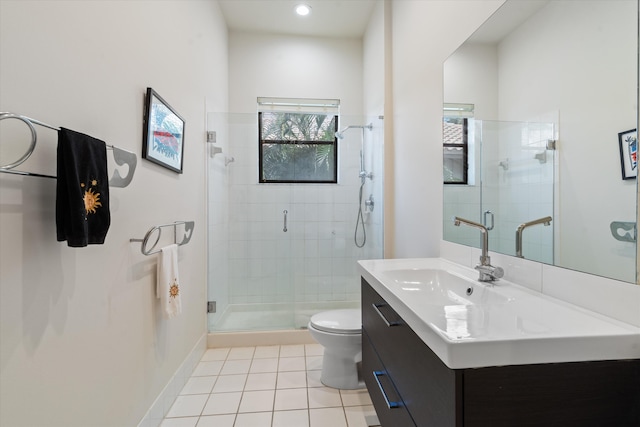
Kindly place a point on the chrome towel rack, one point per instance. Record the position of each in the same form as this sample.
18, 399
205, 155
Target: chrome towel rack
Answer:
186, 237
120, 156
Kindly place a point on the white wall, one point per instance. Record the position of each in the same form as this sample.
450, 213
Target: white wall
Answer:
82, 339
295, 67
471, 77
424, 33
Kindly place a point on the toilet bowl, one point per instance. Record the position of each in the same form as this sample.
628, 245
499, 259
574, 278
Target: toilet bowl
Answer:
340, 333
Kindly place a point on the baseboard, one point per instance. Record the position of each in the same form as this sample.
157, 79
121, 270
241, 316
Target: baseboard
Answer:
244, 339
163, 402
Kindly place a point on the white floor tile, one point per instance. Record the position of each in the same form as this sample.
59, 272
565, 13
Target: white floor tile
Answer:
232, 367
296, 379
264, 352
222, 403
292, 350
187, 406
298, 418
215, 354
256, 419
179, 422
326, 417
313, 350
361, 416
291, 364
266, 386
324, 397
217, 420
228, 383
291, 398
257, 401
207, 368
355, 397
241, 353
313, 379
265, 381
314, 363
264, 365
199, 385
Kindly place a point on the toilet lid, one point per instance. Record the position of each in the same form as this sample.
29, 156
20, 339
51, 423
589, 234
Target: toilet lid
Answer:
346, 321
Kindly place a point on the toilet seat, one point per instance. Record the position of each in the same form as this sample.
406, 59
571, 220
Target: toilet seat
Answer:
347, 321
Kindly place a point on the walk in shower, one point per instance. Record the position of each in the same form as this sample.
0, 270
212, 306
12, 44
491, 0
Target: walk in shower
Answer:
280, 252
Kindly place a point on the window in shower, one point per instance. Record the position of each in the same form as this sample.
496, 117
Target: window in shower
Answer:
455, 130
297, 142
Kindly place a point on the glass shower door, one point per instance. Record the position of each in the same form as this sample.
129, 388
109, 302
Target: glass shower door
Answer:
250, 249
518, 165
263, 277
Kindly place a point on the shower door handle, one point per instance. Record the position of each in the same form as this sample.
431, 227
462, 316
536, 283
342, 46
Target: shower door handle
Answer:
285, 212
490, 215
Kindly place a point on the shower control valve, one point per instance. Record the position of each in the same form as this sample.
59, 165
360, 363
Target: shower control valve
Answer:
369, 204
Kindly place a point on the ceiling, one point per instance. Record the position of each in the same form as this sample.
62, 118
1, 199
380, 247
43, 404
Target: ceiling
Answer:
328, 18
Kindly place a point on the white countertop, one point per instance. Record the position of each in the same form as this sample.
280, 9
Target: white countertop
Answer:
503, 324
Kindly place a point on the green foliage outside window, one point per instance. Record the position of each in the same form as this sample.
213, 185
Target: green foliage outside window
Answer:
297, 147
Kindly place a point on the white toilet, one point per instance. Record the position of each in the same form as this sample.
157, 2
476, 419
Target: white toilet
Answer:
340, 333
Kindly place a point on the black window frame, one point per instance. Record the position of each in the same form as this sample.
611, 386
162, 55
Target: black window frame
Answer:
262, 142
465, 153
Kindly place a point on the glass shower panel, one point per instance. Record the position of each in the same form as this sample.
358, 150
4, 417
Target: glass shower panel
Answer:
263, 277
517, 185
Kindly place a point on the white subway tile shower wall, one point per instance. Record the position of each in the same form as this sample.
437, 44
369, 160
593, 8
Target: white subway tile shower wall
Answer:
315, 260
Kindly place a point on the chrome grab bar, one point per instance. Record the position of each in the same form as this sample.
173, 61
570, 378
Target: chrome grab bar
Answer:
285, 212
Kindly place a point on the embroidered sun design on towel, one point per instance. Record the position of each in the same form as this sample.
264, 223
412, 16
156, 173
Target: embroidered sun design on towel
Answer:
174, 290
91, 199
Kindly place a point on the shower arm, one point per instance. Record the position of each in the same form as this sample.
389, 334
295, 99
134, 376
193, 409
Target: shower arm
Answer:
340, 134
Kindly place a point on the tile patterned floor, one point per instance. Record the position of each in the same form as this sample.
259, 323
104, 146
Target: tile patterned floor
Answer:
270, 386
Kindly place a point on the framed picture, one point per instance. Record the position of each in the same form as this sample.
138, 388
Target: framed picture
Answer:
629, 153
163, 135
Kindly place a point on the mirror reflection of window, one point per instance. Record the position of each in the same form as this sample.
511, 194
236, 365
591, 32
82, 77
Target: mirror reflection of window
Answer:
456, 120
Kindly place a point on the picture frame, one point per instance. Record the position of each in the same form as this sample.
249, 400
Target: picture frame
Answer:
163, 134
628, 141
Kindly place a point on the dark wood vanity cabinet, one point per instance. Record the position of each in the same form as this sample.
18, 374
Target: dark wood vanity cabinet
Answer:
410, 386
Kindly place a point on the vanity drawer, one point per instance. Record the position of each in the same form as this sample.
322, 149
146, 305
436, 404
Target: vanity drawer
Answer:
389, 407
418, 374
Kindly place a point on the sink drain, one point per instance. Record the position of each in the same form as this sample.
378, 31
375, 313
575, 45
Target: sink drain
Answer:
469, 291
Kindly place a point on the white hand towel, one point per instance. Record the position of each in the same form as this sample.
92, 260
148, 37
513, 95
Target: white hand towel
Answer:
168, 286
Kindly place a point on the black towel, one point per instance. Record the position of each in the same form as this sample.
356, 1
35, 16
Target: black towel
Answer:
82, 191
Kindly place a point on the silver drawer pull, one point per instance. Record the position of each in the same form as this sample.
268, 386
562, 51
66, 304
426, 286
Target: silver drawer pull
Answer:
390, 405
376, 307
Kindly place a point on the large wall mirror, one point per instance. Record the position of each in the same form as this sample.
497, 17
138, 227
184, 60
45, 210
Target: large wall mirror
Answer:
542, 103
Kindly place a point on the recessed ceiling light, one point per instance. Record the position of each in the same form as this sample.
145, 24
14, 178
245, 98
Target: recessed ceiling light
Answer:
303, 9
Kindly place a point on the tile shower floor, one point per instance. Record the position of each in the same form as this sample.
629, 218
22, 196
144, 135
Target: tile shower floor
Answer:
270, 386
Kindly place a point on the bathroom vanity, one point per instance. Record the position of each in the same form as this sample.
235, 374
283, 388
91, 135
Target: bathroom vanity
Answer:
440, 349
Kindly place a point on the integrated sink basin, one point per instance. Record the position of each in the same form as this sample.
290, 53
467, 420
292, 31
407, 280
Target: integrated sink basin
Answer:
441, 287
471, 324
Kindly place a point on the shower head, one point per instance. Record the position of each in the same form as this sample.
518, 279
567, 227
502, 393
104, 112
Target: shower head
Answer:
340, 134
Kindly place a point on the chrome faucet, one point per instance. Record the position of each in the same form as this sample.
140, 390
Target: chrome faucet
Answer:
546, 221
488, 273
